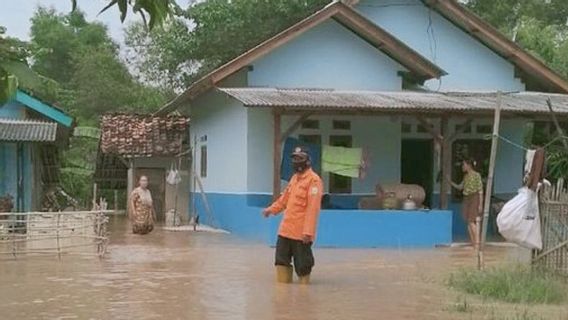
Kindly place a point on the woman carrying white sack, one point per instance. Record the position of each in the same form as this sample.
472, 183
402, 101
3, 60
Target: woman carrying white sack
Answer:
519, 220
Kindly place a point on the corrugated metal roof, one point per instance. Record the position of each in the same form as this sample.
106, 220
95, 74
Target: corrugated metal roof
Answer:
27, 130
305, 99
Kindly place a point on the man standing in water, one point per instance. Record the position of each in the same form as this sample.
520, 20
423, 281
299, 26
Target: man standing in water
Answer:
301, 201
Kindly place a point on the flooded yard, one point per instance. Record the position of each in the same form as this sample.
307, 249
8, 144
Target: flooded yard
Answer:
187, 275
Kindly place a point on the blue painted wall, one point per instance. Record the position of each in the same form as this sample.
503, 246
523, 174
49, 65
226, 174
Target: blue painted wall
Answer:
470, 65
327, 56
337, 228
8, 160
13, 110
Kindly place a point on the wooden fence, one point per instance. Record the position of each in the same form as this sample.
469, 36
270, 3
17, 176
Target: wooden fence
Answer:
554, 224
57, 233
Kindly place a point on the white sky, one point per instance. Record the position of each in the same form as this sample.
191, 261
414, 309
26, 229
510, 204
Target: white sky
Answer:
15, 15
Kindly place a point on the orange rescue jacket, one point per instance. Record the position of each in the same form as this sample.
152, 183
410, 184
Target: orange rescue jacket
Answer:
301, 201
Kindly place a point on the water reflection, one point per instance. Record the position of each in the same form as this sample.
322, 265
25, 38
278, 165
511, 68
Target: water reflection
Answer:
185, 275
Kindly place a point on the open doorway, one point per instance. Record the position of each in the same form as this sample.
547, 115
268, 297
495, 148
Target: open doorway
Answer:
417, 165
157, 187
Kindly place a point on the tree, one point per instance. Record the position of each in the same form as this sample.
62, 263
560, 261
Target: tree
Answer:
157, 10
208, 34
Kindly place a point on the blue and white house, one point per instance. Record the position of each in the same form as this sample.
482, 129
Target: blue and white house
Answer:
413, 82
32, 132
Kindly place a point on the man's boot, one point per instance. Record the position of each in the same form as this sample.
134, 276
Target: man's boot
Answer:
284, 274
305, 279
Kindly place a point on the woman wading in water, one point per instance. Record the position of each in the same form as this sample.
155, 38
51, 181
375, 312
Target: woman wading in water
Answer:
140, 208
472, 189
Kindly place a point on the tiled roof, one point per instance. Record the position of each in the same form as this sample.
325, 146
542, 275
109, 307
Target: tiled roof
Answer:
133, 135
27, 130
401, 101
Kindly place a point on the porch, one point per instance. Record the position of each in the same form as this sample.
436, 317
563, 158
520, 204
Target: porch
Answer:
440, 122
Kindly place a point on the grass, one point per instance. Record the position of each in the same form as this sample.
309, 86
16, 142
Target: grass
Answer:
515, 284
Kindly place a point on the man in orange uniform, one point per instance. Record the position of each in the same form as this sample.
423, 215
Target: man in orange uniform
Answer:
301, 201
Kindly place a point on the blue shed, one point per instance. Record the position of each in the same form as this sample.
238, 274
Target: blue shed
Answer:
32, 134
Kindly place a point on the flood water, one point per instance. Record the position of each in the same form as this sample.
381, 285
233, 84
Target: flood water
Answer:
187, 275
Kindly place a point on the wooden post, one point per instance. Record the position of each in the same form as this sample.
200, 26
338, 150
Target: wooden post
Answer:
115, 200
557, 124
489, 186
277, 155
446, 164
94, 196
57, 234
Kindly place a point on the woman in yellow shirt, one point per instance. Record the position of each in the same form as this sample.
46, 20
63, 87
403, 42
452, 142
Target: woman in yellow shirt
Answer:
472, 189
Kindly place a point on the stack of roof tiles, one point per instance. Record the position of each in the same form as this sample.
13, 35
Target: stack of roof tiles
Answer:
133, 135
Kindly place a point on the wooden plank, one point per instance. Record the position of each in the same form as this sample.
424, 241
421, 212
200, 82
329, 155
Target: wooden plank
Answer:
446, 164
461, 129
277, 155
489, 186
295, 125
430, 128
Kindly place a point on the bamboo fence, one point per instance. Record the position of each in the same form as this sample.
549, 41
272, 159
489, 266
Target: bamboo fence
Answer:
554, 224
54, 233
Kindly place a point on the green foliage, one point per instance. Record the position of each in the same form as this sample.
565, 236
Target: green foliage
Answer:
208, 34
516, 284
15, 71
538, 26
93, 80
157, 10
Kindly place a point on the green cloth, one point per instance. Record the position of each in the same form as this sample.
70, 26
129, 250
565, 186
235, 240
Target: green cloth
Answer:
472, 184
342, 161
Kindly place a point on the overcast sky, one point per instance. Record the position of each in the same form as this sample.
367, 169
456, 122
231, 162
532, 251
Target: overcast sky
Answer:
15, 15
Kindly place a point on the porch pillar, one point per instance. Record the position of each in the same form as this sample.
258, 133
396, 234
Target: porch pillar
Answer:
277, 152
446, 163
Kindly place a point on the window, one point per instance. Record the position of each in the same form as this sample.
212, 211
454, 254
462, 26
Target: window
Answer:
406, 127
484, 128
421, 129
341, 125
467, 128
311, 139
203, 161
337, 183
310, 124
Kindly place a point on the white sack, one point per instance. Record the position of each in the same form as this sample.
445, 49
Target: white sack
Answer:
519, 220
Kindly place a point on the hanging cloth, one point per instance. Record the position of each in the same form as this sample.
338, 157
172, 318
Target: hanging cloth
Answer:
314, 150
342, 161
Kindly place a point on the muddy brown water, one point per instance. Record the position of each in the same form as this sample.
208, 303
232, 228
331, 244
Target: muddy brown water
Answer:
186, 275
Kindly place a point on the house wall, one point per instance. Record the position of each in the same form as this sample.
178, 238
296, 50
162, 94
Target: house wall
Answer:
220, 123
470, 65
327, 56
8, 161
380, 135
9, 174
